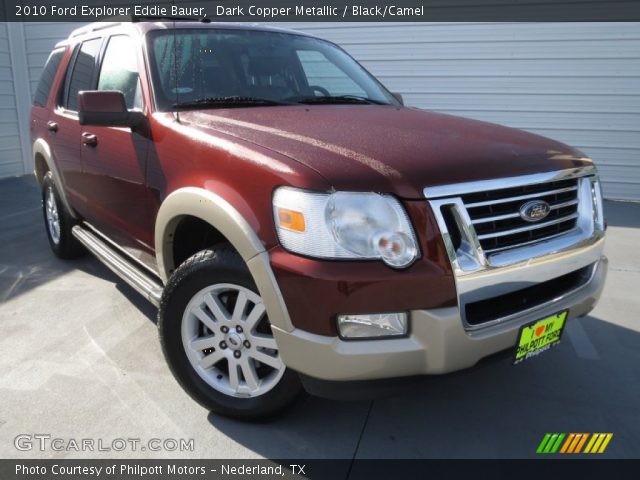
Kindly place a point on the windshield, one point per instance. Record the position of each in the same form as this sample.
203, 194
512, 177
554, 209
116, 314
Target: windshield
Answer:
204, 68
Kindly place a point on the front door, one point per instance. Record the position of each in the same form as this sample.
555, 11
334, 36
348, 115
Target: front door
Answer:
114, 158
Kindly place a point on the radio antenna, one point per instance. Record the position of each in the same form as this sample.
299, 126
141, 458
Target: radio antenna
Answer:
175, 68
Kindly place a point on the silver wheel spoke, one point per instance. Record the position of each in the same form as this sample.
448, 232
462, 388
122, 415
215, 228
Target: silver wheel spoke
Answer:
241, 305
204, 318
266, 359
211, 359
218, 310
254, 316
249, 373
234, 380
202, 343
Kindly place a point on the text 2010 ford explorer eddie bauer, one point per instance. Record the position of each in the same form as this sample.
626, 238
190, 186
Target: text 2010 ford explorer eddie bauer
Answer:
290, 216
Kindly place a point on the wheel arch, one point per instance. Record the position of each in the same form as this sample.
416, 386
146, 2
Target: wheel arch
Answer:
43, 163
222, 216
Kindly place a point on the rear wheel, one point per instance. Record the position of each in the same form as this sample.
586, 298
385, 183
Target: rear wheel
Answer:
217, 338
58, 222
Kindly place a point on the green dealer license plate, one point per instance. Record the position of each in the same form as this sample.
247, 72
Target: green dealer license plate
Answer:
539, 336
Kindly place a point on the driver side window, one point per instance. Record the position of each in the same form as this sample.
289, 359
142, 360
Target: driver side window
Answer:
119, 70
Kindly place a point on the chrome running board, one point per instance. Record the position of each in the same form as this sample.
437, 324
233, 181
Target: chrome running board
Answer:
141, 282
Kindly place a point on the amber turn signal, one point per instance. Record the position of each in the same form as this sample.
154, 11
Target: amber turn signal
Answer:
291, 219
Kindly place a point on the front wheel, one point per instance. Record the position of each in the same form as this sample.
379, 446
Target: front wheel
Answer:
217, 338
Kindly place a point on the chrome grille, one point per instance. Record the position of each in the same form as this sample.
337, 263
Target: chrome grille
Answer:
485, 237
495, 214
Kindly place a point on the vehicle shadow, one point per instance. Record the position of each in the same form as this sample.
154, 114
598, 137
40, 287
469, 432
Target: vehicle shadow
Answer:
589, 383
26, 260
622, 214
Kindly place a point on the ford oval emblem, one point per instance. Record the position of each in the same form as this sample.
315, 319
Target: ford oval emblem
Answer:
534, 210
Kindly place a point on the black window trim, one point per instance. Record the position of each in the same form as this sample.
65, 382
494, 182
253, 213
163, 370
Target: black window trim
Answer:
64, 96
34, 102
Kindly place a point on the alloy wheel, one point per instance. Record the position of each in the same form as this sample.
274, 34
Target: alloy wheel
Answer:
227, 338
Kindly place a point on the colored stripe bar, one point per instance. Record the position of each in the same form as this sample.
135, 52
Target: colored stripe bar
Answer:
581, 443
567, 443
543, 443
605, 443
550, 443
599, 440
555, 448
590, 444
574, 443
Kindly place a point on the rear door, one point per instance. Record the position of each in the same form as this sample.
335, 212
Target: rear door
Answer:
63, 127
114, 158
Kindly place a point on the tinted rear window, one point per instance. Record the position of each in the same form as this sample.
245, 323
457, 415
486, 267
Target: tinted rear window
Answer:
83, 74
46, 79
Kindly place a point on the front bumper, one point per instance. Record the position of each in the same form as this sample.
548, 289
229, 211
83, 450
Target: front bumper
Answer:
438, 342
443, 337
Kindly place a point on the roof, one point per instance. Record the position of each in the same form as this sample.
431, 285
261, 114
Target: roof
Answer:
164, 24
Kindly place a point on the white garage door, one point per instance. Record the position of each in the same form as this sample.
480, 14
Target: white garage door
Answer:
11, 157
576, 82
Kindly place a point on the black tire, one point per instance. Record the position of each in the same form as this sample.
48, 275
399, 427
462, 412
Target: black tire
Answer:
221, 265
64, 244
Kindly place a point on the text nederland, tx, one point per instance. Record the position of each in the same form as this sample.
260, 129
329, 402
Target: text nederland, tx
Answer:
144, 470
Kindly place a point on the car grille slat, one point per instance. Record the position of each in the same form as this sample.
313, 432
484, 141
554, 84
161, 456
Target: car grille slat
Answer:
531, 227
517, 215
522, 197
495, 214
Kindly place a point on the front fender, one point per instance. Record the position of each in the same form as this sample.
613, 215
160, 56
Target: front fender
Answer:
221, 215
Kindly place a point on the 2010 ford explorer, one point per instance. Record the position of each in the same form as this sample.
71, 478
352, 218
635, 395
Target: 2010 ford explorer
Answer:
292, 219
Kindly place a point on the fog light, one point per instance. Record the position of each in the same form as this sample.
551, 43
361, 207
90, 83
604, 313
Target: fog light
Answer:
373, 325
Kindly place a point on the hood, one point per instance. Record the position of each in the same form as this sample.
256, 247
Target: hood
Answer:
387, 148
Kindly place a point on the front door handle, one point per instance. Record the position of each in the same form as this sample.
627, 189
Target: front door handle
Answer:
89, 139
52, 126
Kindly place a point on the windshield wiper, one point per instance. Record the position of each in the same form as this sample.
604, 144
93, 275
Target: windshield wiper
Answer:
230, 101
336, 100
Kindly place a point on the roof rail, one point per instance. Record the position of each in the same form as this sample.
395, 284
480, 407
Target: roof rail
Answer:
93, 27
123, 19
168, 18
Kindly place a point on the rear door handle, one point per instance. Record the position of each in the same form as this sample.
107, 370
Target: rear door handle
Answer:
52, 126
89, 139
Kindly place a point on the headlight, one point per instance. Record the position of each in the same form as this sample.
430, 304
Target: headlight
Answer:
345, 225
598, 214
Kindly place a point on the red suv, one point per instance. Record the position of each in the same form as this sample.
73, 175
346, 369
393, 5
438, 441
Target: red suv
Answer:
294, 222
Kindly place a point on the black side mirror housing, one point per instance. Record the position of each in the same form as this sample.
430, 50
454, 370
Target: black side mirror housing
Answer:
106, 108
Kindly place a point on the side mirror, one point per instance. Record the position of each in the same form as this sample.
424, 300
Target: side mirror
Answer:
398, 97
107, 109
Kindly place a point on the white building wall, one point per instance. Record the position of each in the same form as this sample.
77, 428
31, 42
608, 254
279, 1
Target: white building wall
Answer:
11, 155
575, 82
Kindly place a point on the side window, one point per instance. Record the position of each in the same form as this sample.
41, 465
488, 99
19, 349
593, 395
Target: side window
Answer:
321, 71
120, 70
46, 79
83, 69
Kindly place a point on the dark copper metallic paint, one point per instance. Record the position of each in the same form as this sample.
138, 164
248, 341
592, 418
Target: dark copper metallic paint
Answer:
243, 154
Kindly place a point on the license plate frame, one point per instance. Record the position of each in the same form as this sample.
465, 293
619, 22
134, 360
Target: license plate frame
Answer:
544, 333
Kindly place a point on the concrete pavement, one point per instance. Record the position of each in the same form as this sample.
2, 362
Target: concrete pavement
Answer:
80, 359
